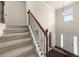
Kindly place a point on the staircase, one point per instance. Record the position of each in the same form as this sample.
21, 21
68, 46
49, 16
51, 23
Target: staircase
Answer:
17, 42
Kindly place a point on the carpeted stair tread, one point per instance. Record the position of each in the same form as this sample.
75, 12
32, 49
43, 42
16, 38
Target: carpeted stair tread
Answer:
18, 51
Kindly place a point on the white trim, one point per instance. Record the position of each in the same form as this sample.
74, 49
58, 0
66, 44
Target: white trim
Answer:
75, 47
34, 41
61, 41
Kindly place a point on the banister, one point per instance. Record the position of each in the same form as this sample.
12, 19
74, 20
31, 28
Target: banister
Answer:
67, 52
29, 12
44, 31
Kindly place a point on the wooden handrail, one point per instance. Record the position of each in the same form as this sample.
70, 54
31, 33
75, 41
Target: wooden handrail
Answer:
59, 52
29, 12
67, 52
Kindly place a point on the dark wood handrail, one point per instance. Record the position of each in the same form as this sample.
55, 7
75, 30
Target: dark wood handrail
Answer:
44, 31
29, 12
59, 52
67, 52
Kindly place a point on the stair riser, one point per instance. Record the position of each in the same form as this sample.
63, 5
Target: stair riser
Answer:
15, 31
9, 38
8, 48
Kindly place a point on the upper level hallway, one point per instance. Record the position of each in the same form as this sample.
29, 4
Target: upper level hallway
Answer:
39, 28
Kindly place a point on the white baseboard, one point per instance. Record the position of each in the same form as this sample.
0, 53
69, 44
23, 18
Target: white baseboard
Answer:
35, 43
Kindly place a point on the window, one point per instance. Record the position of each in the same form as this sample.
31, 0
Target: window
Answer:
68, 15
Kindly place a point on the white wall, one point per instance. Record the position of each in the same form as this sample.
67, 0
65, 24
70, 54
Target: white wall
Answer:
15, 12
45, 15
69, 29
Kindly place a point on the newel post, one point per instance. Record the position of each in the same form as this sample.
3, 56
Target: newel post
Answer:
28, 17
50, 37
46, 40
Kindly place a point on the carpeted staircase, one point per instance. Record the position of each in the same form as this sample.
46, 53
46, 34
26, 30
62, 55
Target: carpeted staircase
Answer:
17, 42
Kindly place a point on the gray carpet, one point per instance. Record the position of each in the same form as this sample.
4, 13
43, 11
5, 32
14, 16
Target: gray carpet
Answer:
17, 42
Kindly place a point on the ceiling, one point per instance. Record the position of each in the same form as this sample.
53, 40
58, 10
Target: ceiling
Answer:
58, 4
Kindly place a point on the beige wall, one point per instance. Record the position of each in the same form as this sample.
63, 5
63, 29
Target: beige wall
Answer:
68, 27
15, 11
45, 15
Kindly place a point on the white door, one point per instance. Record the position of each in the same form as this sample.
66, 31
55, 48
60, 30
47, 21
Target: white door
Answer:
15, 12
